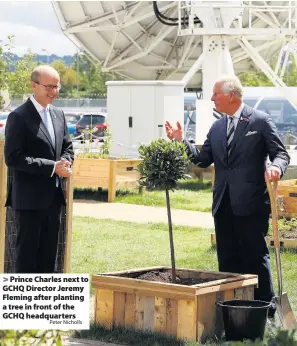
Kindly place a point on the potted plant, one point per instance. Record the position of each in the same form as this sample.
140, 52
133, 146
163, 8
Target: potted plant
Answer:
185, 309
163, 164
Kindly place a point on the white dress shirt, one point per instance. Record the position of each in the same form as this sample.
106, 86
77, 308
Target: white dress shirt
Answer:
236, 117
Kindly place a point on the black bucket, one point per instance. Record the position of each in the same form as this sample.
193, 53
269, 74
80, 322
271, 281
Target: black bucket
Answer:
244, 319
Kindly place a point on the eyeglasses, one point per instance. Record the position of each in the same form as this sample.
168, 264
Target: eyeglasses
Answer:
50, 87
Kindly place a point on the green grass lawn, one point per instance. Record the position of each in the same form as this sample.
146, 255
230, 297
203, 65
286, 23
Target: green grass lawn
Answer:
105, 245
189, 195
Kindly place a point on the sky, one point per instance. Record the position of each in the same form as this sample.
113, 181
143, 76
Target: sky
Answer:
35, 26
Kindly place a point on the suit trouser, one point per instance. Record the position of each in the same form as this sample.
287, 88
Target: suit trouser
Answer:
241, 246
37, 238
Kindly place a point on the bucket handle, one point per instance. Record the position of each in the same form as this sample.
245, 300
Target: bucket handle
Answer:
220, 303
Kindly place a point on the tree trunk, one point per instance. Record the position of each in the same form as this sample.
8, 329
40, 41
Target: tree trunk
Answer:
170, 237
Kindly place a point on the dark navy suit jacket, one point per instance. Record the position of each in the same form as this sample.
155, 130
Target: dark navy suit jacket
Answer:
29, 150
243, 172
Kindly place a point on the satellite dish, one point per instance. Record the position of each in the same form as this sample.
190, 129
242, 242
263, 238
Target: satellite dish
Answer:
148, 40
188, 42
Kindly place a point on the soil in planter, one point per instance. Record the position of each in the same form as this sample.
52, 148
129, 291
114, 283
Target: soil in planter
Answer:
288, 234
166, 276
287, 228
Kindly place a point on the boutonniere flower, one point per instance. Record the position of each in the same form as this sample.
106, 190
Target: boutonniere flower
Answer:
244, 119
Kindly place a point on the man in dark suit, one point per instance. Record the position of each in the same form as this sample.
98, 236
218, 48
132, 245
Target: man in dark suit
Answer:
238, 144
39, 150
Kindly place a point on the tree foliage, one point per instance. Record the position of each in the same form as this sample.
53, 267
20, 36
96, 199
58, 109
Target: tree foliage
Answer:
18, 80
30, 337
67, 77
163, 164
254, 79
2, 77
83, 77
258, 78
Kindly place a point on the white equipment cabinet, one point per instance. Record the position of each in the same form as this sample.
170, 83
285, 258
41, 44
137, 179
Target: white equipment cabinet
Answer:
137, 111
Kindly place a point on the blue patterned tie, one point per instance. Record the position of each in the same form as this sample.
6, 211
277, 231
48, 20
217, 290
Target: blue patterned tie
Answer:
49, 126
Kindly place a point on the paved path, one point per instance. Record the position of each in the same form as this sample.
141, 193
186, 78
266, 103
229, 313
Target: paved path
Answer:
140, 213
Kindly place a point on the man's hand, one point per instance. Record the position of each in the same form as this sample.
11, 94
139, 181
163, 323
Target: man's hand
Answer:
63, 168
176, 134
273, 173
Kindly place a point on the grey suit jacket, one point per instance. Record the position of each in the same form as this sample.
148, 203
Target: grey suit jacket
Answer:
254, 140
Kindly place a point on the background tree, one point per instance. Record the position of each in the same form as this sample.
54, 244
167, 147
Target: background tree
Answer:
258, 78
290, 77
67, 77
18, 79
4, 72
15, 75
3, 82
91, 78
254, 79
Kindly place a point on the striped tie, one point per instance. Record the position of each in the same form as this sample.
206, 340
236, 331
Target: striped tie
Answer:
230, 134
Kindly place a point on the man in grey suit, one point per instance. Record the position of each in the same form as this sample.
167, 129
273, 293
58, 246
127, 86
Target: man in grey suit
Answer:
238, 144
40, 153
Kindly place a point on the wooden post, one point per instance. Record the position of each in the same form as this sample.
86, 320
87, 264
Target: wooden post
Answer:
112, 180
3, 193
68, 231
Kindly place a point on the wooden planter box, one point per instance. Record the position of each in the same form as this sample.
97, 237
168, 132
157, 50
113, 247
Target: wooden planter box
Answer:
288, 190
198, 171
109, 174
284, 242
184, 312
